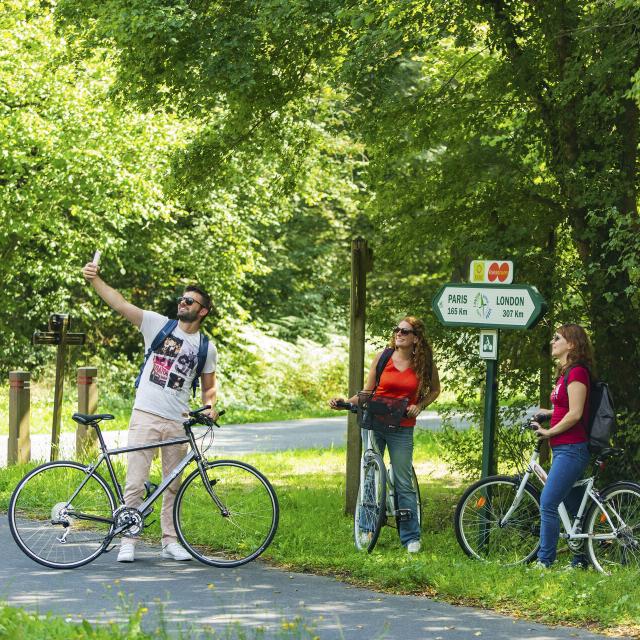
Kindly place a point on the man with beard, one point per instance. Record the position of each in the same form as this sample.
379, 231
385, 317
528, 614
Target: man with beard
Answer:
176, 354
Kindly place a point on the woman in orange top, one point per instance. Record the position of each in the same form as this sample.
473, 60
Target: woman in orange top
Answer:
409, 373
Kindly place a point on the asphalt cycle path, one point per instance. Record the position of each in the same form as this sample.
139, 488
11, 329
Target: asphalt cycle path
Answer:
189, 596
239, 439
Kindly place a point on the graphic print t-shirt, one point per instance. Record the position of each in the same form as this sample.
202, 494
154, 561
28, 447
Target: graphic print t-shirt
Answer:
165, 384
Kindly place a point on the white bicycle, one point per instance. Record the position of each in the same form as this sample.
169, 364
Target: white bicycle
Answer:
498, 518
377, 502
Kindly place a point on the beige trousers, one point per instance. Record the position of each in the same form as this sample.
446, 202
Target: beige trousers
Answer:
145, 428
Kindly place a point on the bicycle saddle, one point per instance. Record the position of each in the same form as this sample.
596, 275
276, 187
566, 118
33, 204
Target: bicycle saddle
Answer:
87, 418
610, 453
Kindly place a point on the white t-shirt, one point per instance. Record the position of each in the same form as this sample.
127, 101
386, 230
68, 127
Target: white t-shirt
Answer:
165, 384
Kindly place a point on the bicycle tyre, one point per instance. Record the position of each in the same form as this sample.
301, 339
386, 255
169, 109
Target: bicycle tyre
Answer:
479, 512
623, 549
371, 503
395, 522
239, 531
40, 512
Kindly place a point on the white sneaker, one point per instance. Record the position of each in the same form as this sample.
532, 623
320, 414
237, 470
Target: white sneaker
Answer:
127, 552
175, 551
413, 546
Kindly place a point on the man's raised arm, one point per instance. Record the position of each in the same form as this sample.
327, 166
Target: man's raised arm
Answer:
112, 297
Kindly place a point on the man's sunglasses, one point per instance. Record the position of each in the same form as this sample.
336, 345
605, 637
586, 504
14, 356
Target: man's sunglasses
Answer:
188, 300
404, 332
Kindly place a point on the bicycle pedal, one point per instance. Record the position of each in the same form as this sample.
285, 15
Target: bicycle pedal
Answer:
403, 515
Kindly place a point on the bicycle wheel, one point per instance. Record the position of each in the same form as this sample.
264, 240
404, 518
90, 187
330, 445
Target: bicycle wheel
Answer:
478, 521
612, 548
371, 504
61, 516
230, 518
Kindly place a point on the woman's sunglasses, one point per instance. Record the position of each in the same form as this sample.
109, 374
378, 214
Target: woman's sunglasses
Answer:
403, 331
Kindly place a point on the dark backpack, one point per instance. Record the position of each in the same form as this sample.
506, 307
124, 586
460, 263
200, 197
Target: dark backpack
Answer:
168, 328
602, 416
385, 356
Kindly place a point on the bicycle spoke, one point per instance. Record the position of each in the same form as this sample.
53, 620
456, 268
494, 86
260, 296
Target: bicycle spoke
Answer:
480, 529
621, 503
251, 519
43, 521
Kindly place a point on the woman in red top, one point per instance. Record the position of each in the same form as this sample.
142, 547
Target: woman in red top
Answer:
567, 433
410, 373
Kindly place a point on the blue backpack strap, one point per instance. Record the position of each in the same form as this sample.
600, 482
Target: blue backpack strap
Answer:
203, 350
385, 356
168, 328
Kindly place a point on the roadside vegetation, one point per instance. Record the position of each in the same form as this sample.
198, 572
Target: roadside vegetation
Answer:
17, 624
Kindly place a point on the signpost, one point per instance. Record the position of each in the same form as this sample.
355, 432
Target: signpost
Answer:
58, 334
498, 306
491, 307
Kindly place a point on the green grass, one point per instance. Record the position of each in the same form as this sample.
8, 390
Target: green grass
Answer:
315, 536
17, 624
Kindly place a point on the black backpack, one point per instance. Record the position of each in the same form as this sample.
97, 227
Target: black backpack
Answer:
602, 415
168, 328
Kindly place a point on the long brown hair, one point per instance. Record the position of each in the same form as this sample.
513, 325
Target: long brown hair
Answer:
422, 357
581, 352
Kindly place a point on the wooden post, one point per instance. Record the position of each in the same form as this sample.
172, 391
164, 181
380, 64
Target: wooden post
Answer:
60, 323
19, 449
361, 262
87, 403
58, 334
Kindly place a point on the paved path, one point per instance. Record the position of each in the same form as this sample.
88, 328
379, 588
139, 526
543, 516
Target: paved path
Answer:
194, 595
237, 439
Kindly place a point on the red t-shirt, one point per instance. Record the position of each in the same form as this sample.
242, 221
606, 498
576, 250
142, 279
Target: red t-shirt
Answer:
560, 402
399, 384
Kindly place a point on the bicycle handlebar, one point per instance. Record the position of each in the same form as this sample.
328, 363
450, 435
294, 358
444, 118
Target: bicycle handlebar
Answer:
197, 417
349, 406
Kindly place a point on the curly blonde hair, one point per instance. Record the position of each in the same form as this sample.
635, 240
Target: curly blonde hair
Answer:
422, 357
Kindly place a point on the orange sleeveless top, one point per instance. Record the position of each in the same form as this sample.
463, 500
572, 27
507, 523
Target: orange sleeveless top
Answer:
399, 384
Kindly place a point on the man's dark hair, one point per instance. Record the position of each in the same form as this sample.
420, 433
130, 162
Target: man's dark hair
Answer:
206, 298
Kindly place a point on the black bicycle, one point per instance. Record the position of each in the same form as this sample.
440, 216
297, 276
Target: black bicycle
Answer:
64, 514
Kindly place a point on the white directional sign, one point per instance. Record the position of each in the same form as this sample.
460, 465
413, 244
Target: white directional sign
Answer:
508, 306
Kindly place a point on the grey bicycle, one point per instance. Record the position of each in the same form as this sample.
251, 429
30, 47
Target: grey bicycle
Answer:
64, 514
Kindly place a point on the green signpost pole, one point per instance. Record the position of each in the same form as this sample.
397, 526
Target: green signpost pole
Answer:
490, 413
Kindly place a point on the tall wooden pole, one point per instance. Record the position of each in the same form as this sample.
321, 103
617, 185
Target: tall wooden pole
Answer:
87, 403
19, 448
361, 262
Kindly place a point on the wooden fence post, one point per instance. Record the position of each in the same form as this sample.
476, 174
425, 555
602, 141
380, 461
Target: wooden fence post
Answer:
87, 403
19, 449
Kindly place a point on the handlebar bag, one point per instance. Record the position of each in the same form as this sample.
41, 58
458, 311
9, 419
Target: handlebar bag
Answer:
380, 413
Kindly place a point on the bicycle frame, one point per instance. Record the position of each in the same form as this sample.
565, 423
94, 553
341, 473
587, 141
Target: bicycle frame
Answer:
572, 531
106, 454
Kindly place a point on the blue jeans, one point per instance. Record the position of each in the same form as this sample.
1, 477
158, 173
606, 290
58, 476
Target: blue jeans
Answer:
568, 465
400, 446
